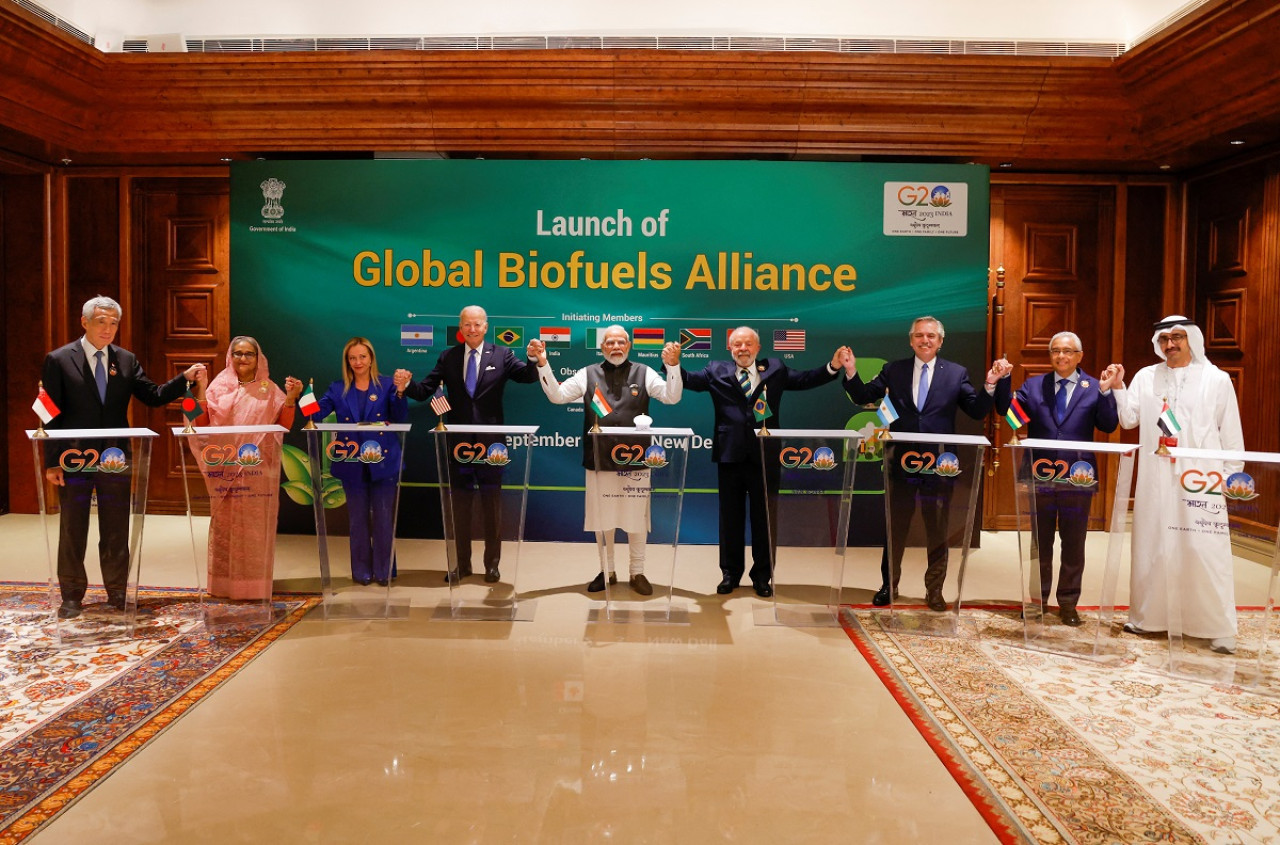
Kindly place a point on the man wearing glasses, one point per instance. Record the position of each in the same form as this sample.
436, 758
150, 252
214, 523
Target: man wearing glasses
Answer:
1183, 401
1066, 404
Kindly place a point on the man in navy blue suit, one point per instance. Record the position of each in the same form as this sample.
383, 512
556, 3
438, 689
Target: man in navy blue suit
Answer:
1067, 404
475, 374
926, 391
735, 447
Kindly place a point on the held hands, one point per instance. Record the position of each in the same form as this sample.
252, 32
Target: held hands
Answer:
839, 358
196, 373
848, 361
292, 389
671, 354
537, 351
202, 381
1112, 378
401, 380
1000, 368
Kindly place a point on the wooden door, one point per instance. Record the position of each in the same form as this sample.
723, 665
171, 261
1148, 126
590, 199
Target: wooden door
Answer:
181, 302
1052, 259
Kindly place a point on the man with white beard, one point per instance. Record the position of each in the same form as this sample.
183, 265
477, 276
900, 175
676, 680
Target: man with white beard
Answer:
614, 391
1176, 531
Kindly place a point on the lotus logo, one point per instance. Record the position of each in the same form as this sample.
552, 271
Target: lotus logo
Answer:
249, 456
371, 452
1081, 474
113, 460
498, 456
940, 197
948, 465
823, 458
1240, 487
655, 457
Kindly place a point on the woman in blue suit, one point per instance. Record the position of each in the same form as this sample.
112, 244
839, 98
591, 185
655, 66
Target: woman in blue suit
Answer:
370, 476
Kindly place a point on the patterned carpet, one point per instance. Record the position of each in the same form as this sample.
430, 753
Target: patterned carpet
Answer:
1057, 749
69, 716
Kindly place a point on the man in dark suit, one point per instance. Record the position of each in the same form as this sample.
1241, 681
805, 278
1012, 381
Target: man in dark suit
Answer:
1067, 404
91, 380
475, 374
734, 387
926, 391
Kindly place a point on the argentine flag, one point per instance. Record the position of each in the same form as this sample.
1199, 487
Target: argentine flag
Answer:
886, 412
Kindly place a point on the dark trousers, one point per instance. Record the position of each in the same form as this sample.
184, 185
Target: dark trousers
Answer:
1068, 513
931, 496
371, 512
113, 531
466, 487
742, 493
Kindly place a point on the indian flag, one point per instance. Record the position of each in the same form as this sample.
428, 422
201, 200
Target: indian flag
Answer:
308, 402
599, 405
555, 335
1167, 421
1016, 416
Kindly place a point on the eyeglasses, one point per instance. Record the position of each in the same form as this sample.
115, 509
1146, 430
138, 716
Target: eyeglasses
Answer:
1175, 337
1064, 351
244, 354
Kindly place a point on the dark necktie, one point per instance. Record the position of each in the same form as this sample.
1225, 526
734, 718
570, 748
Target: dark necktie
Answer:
1060, 402
744, 380
923, 392
100, 376
472, 355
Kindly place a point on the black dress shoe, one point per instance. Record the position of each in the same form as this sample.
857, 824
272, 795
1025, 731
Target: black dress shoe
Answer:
364, 582
641, 585
492, 576
936, 602
115, 601
764, 591
382, 582
597, 583
70, 609
727, 586
1069, 616
453, 575
881, 598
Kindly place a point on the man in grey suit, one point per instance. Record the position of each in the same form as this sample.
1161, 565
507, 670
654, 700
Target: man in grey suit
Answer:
91, 381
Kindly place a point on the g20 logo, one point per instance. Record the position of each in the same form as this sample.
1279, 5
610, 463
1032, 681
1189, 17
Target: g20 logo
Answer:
945, 464
111, 460
349, 451
1239, 486
917, 196
633, 455
226, 455
1078, 474
802, 457
495, 454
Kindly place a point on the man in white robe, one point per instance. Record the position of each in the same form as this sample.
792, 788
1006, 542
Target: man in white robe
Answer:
1177, 533
615, 499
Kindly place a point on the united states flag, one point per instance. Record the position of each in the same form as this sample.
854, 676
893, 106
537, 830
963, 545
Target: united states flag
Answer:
440, 402
788, 340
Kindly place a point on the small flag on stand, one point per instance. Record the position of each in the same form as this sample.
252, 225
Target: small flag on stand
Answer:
761, 408
599, 405
440, 402
1016, 416
190, 407
308, 403
1167, 421
44, 407
886, 413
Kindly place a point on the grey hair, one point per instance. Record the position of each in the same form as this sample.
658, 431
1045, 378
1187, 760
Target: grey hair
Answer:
244, 338
104, 302
1074, 339
754, 333
942, 332
605, 332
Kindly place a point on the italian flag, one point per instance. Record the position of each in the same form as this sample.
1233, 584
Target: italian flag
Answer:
599, 405
308, 402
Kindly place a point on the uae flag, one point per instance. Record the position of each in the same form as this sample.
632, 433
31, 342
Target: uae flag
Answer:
308, 402
44, 407
1167, 421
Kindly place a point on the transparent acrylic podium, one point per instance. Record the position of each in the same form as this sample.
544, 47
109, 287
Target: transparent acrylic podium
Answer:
329, 444
809, 488
931, 484
105, 472
484, 489
232, 489
642, 485
1219, 513
1056, 483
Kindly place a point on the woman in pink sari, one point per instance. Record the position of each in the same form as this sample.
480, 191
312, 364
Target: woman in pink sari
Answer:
243, 526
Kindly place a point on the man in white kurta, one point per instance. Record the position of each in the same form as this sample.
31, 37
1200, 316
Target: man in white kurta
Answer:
615, 391
1178, 534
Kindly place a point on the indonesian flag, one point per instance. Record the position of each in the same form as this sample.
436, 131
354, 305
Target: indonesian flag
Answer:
1167, 421
44, 407
308, 402
599, 405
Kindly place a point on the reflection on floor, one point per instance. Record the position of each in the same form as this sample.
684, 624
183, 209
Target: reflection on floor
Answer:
564, 728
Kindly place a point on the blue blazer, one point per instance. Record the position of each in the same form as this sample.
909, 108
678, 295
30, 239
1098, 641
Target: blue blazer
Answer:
498, 365
949, 390
1088, 408
735, 439
380, 404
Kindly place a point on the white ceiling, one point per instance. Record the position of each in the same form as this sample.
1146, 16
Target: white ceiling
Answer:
1108, 21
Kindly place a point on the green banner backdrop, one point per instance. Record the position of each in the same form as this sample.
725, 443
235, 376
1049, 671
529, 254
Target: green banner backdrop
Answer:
812, 255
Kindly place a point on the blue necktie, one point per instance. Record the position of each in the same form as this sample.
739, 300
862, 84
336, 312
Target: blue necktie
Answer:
923, 392
472, 355
744, 380
100, 376
1060, 402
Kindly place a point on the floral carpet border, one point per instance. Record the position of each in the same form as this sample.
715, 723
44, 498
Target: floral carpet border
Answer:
46, 770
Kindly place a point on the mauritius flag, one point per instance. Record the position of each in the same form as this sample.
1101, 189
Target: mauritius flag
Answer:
1016, 416
1167, 421
599, 405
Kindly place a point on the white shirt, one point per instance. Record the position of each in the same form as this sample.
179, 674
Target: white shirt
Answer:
91, 354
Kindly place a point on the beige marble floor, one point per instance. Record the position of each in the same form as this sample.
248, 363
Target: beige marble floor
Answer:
561, 729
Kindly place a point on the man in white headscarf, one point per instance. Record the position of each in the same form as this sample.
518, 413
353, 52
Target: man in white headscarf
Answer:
1175, 531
